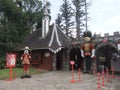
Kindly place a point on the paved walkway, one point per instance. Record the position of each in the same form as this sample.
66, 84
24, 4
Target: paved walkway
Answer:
58, 80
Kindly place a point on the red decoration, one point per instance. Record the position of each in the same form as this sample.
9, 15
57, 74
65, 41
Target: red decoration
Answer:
11, 60
79, 75
107, 77
112, 69
103, 79
72, 62
73, 80
98, 81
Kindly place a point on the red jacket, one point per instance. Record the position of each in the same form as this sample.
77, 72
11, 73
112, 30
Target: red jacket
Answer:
26, 58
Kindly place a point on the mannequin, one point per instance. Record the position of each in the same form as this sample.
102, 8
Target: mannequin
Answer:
26, 62
87, 51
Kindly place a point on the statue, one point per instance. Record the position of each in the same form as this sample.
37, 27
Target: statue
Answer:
87, 52
26, 62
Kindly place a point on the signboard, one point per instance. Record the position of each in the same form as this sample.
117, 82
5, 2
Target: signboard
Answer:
72, 62
10, 60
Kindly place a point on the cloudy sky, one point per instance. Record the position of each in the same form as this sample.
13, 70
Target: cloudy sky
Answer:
104, 15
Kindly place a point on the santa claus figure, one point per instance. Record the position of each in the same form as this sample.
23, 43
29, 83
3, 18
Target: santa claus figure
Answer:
26, 62
87, 51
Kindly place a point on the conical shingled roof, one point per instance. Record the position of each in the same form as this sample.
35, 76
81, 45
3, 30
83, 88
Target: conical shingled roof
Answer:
54, 40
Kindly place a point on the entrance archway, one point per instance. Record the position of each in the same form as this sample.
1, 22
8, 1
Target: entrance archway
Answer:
104, 51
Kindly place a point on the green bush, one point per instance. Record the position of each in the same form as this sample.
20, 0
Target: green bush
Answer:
18, 63
2, 63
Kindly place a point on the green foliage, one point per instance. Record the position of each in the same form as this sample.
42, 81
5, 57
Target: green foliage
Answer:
66, 15
73, 14
18, 63
2, 63
16, 21
79, 15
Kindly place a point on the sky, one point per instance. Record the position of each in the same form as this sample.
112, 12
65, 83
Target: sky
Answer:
104, 15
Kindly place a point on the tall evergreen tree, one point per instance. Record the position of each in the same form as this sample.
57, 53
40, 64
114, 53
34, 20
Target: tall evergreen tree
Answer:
10, 15
67, 17
80, 16
59, 20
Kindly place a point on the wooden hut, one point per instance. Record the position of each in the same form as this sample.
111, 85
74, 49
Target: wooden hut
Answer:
48, 52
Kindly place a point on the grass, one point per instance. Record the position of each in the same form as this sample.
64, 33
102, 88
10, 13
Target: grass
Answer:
16, 72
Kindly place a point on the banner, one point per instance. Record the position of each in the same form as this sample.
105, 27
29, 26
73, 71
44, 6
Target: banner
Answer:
11, 60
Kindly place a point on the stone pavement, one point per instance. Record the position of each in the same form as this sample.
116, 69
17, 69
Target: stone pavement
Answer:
58, 80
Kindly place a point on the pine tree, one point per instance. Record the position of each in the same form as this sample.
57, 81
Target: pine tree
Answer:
67, 17
59, 20
81, 18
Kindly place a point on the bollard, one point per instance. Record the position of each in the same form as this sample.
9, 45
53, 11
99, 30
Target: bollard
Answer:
107, 76
103, 79
10, 74
72, 63
79, 75
112, 69
98, 82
